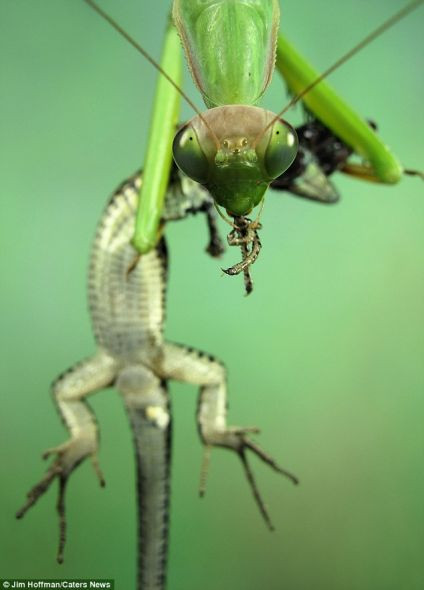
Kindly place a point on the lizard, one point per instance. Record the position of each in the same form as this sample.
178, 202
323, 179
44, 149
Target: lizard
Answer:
126, 295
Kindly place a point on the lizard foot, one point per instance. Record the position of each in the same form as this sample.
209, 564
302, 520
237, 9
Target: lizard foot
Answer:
244, 234
68, 456
237, 440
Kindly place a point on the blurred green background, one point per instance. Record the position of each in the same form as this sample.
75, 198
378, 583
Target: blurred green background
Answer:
326, 356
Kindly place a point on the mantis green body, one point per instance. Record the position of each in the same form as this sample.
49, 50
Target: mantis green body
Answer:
236, 151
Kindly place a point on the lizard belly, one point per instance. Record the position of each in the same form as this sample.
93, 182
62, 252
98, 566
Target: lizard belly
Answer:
126, 295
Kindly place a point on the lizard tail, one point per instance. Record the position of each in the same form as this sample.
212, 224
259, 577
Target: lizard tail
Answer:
152, 438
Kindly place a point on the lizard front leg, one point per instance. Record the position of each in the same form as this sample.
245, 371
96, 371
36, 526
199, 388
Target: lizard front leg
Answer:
69, 391
192, 366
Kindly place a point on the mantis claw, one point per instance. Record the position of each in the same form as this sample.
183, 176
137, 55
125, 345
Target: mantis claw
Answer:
411, 172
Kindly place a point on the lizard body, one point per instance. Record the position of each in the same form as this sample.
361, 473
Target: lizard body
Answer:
127, 307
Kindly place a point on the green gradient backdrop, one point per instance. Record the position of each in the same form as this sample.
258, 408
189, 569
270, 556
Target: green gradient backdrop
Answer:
326, 355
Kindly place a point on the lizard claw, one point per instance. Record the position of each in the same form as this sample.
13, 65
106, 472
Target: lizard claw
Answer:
215, 248
68, 456
39, 489
235, 439
256, 449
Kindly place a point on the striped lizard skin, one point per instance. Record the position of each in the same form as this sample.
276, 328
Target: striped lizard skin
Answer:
127, 307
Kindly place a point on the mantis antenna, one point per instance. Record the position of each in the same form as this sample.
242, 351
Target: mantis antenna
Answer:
151, 60
344, 58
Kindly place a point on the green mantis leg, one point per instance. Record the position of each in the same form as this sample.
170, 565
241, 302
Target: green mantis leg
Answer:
337, 115
158, 159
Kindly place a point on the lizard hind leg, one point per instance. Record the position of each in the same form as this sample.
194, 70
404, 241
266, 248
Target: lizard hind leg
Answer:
69, 391
237, 439
54, 471
249, 444
245, 444
191, 366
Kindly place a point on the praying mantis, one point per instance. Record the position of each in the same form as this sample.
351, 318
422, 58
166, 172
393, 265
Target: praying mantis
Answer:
235, 149
256, 327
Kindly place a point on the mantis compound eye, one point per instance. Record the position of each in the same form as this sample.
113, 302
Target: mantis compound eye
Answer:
281, 150
189, 156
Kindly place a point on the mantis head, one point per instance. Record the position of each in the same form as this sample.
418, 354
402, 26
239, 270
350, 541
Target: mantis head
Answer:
235, 152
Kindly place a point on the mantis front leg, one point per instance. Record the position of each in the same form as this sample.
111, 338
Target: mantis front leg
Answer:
379, 163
